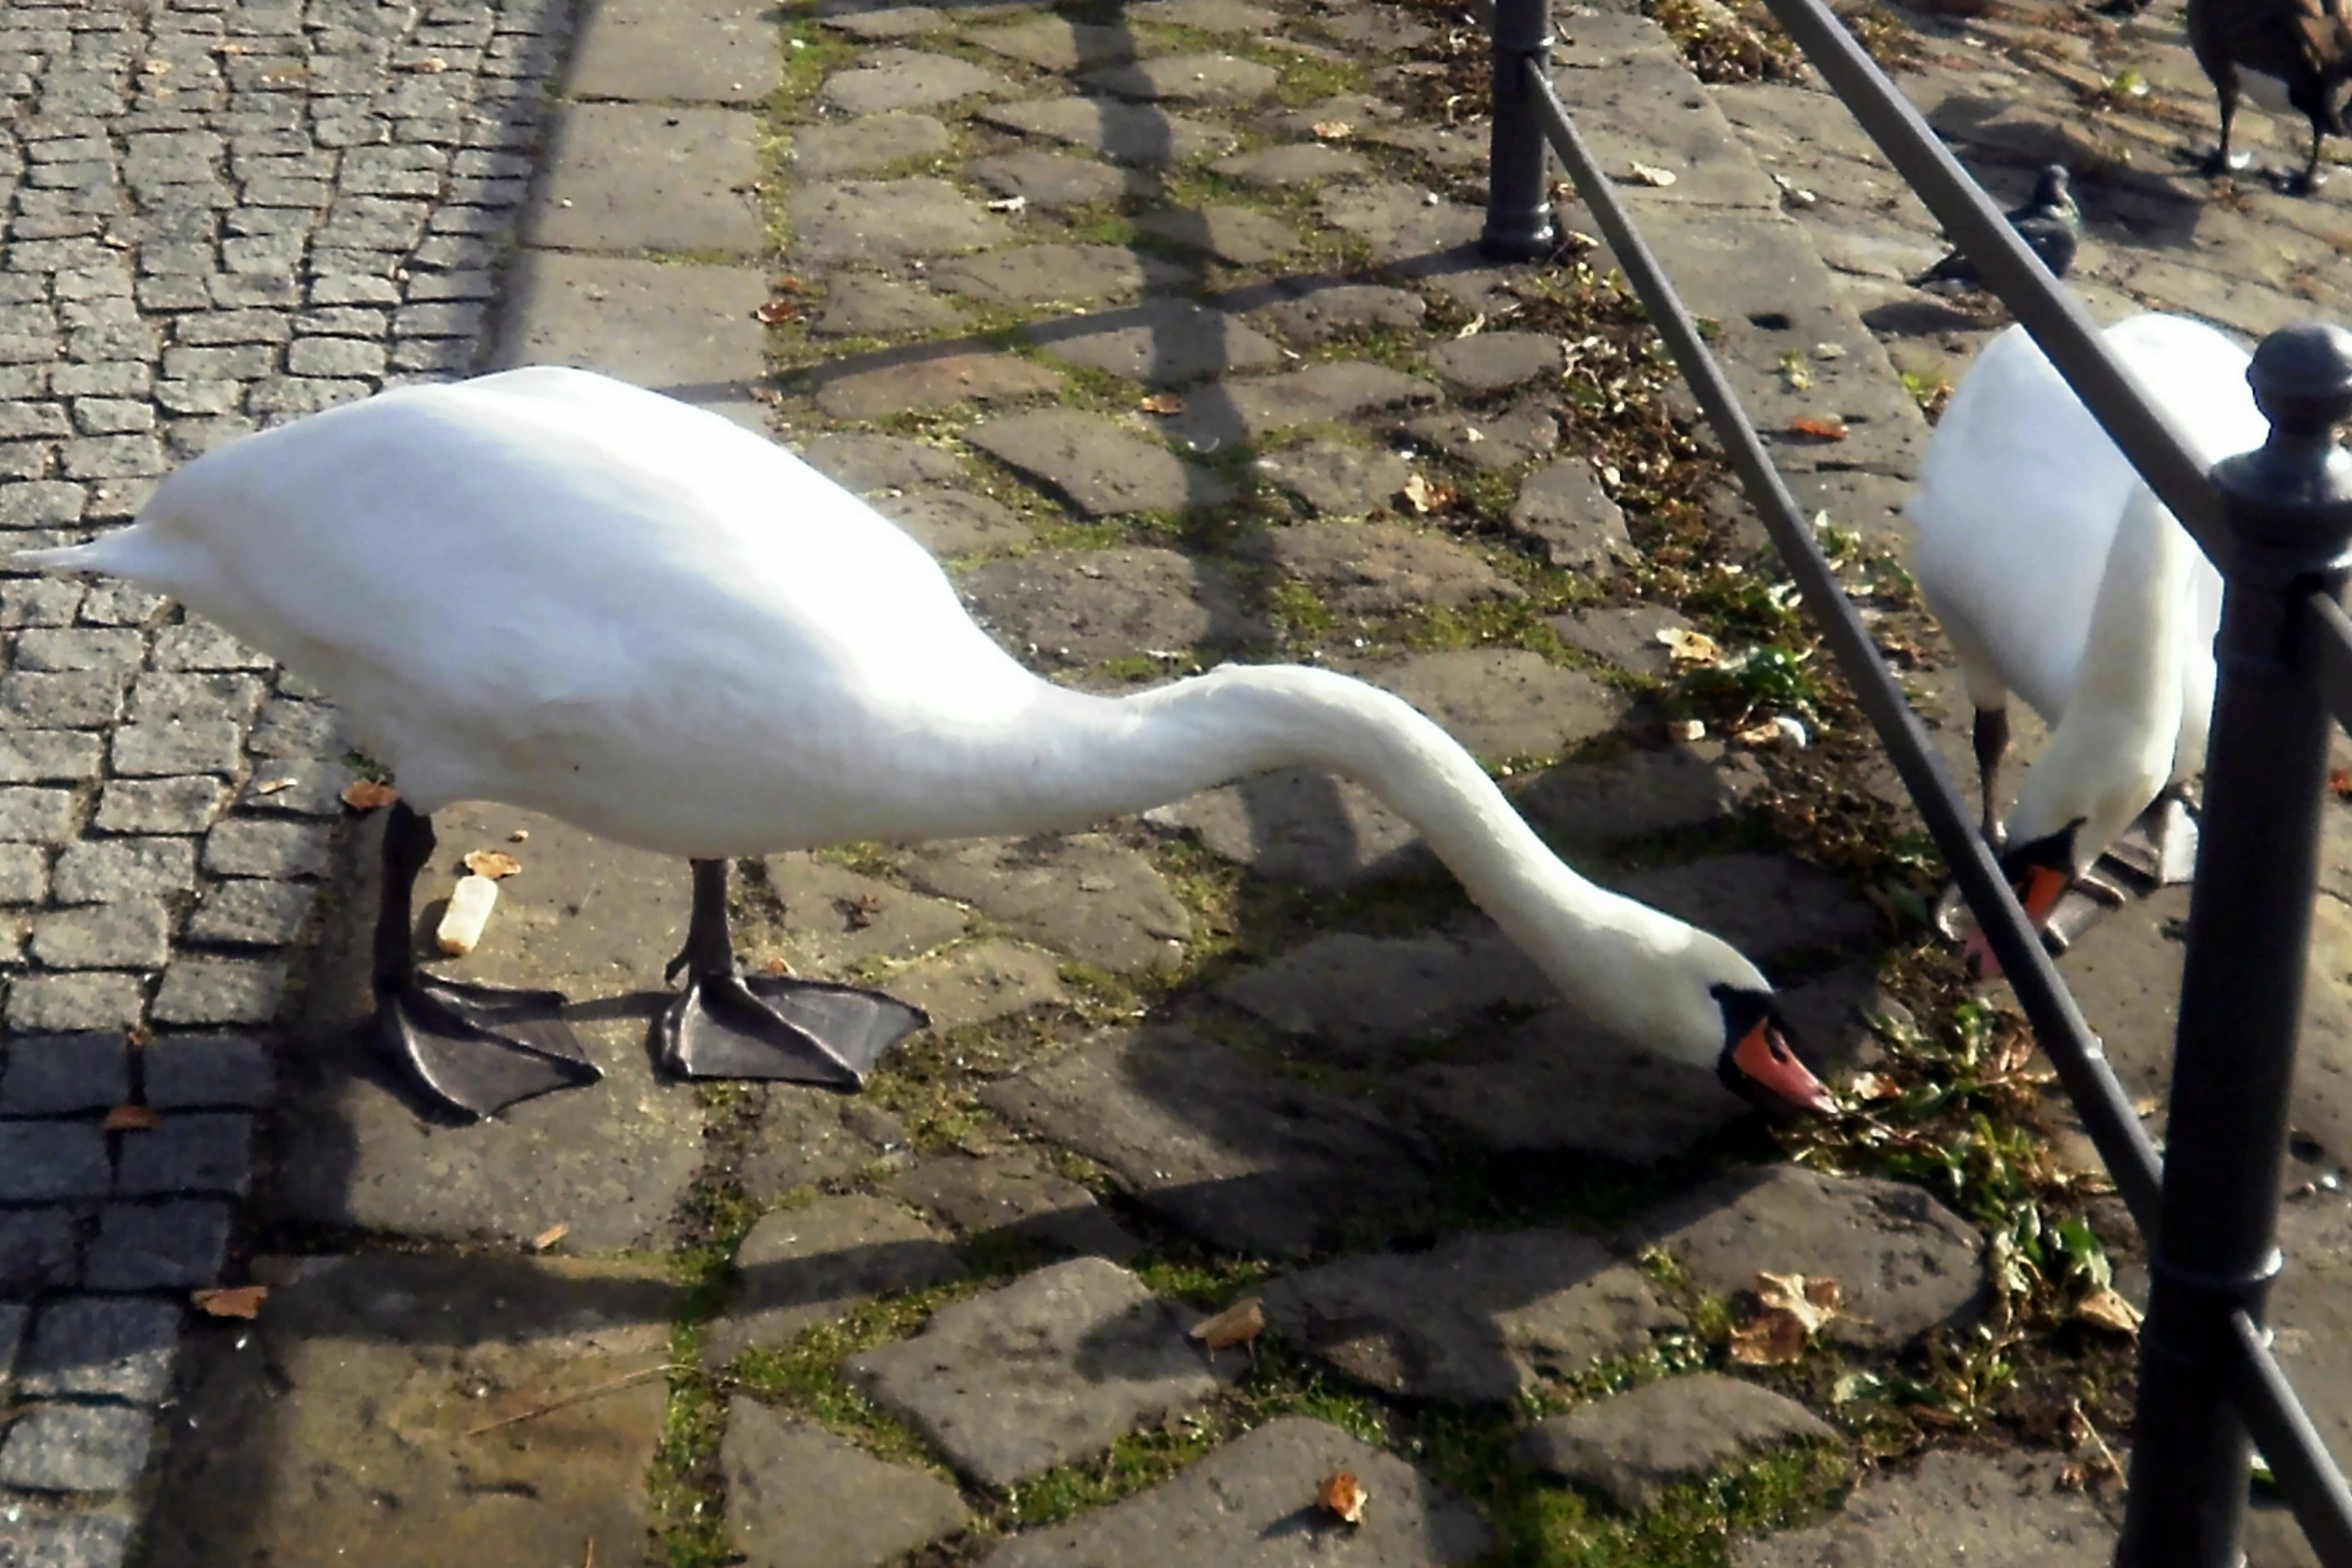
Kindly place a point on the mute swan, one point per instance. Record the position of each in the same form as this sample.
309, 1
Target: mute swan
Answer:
551, 589
2058, 575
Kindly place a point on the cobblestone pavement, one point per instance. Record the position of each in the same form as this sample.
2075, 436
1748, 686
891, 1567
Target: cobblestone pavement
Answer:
1157, 322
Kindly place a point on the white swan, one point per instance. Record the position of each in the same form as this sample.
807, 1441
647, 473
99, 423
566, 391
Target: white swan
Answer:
553, 590
2058, 575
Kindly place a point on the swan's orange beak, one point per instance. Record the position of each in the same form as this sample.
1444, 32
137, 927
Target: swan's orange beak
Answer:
1764, 1059
2044, 886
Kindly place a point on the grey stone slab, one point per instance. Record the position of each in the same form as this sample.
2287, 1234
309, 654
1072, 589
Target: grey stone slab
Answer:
1503, 702
1134, 134
682, 329
711, 51
1160, 342
956, 522
1208, 16
1052, 44
1651, 111
350, 1413
927, 378
52, 1003
1237, 235
184, 1072
590, 920
94, 1539
1768, 906
630, 176
1337, 478
1295, 826
1362, 998
890, 22
908, 79
153, 750
980, 983
1056, 180
1019, 277
1562, 509
869, 463
1074, 607
1905, 1262
1631, 1448
807, 1136
189, 1152
101, 1347
1085, 895
1013, 1195
1403, 227
58, 1074
42, 1161
836, 920
37, 755
267, 847
251, 913
1184, 79
132, 935
1296, 163
75, 1447
1250, 1504
304, 729
1626, 636
1642, 795
1103, 471
151, 1246
867, 143
1487, 363
876, 222
183, 804
1558, 1085
1482, 1318
799, 1497
861, 305
1988, 1510
1375, 569
1048, 1370
297, 786
40, 1249
803, 1266
1251, 408
1207, 1139
212, 991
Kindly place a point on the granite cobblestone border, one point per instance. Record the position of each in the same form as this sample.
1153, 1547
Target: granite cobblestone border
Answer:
221, 215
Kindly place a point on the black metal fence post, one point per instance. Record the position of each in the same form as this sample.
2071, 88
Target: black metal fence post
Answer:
1519, 201
2287, 522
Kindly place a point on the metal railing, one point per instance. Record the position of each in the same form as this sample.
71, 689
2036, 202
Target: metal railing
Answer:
2277, 523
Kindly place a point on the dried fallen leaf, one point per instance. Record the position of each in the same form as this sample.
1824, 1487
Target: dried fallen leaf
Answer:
1687, 649
1827, 428
1687, 730
775, 312
431, 65
1332, 129
271, 787
1872, 1086
1755, 735
366, 794
1162, 403
2340, 782
1007, 204
550, 1236
492, 863
1426, 495
132, 1119
2105, 1309
1236, 1325
1771, 1339
1343, 1494
1793, 1309
231, 1301
1646, 174
154, 68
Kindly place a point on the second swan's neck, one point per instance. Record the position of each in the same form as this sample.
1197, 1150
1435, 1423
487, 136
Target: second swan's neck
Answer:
1087, 757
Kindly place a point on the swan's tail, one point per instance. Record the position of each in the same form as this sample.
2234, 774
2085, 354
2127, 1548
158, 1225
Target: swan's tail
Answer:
125, 553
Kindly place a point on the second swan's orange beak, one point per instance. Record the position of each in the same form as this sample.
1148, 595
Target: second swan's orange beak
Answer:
2043, 887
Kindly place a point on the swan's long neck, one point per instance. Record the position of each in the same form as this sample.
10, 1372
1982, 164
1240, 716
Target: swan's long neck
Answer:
2113, 749
1629, 965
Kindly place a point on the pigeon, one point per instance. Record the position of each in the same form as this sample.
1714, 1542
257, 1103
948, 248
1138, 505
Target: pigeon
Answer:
2050, 224
2290, 56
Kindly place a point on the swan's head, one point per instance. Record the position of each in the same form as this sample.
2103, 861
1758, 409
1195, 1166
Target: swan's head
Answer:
1754, 1060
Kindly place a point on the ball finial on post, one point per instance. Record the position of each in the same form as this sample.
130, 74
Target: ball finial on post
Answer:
2291, 497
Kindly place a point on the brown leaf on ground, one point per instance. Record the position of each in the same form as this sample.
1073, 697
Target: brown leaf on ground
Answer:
1426, 495
1687, 649
1825, 428
367, 795
492, 863
230, 1301
2104, 1308
132, 1119
1343, 1495
1162, 403
1872, 1086
1771, 1339
271, 787
551, 1235
1791, 1310
1236, 1325
1333, 129
775, 312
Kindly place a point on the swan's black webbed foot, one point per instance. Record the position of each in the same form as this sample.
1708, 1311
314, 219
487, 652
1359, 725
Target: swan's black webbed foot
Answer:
725, 1023
471, 1050
477, 1049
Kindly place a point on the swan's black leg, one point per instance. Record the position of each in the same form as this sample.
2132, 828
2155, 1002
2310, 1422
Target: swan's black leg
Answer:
726, 1023
2221, 160
473, 1049
1991, 740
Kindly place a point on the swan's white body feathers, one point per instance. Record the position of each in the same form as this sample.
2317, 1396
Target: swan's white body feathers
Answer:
2014, 524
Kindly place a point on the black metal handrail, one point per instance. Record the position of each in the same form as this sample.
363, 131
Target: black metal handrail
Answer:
2277, 521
